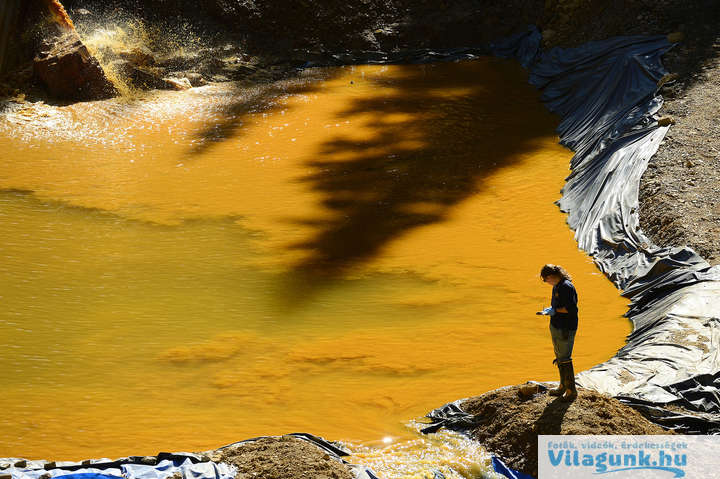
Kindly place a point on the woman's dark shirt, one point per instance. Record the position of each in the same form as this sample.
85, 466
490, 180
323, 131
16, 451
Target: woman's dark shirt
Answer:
565, 296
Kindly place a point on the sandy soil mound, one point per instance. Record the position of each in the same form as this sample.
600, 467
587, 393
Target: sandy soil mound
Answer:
285, 456
510, 425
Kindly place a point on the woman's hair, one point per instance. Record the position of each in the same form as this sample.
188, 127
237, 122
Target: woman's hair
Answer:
549, 269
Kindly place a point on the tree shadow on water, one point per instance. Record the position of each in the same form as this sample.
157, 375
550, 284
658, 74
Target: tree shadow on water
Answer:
246, 100
435, 133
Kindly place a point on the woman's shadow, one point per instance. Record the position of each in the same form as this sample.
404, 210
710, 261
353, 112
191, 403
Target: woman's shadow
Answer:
551, 419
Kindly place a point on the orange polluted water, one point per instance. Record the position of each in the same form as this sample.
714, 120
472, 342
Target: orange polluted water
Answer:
335, 254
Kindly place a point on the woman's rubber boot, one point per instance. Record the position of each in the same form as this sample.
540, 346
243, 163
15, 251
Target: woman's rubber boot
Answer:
558, 391
569, 375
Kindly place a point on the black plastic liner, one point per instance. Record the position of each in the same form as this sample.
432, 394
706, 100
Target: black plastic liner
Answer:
606, 94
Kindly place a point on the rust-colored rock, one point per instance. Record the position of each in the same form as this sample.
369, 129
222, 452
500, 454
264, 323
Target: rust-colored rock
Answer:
70, 72
59, 14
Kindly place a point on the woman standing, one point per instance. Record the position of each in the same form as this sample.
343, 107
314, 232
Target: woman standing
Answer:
563, 325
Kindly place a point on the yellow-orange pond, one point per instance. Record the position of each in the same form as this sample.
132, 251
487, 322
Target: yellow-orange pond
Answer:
338, 253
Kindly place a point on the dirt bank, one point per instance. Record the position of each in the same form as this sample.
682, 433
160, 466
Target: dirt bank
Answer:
336, 25
509, 425
680, 191
285, 456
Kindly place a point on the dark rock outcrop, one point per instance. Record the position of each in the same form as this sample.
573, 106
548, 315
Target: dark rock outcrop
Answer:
69, 71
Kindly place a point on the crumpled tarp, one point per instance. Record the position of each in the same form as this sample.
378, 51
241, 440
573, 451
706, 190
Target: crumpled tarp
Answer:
163, 466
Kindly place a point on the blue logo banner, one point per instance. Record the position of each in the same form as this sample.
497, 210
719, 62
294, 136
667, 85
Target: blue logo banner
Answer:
626, 457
